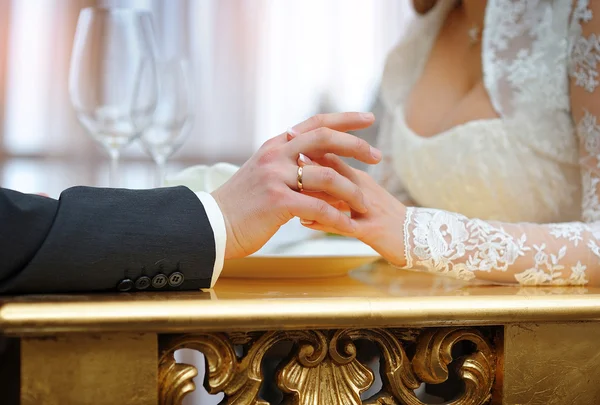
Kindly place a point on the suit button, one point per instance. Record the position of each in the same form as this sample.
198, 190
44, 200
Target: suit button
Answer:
159, 281
125, 285
142, 283
176, 279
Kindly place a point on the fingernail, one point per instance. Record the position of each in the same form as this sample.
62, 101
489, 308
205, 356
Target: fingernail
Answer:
304, 160
306, 222
376, 153
291, 133
367, 116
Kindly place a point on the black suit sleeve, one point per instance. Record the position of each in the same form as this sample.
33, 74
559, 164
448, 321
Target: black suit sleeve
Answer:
95, 239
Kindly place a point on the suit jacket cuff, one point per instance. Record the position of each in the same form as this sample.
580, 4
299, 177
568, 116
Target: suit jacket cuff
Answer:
217, 223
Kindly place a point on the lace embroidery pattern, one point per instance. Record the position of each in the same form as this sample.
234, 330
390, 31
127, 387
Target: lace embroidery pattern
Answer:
585, 52
578, 276
590, 203
573, 232
585, 60
440, 239
547, 269
593, 246
519, 45
586, 57
525, 59
589, 132
452, 244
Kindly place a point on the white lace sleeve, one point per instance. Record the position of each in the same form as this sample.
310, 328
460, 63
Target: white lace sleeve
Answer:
533, 254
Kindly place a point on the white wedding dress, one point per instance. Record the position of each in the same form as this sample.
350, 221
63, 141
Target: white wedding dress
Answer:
514, 198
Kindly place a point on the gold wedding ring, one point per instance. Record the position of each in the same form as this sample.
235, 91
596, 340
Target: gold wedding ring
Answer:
299, 179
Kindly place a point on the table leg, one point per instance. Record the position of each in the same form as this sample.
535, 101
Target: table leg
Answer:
92, 369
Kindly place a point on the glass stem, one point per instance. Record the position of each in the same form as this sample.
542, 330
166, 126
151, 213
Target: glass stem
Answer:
161, 165
113, 178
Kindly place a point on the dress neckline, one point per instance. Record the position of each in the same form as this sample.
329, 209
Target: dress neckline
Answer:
440, 16
445, 133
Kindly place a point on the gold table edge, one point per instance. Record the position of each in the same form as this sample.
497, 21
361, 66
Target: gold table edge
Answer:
31, 318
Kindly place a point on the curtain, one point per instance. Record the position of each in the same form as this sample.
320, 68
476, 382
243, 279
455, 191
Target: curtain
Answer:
259, 66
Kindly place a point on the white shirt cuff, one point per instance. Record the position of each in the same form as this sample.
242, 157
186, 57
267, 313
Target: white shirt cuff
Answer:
217, 223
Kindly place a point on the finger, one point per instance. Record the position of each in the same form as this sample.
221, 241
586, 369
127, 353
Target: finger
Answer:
347, 121
337, 164
334, 202
342, 168
323, 228
312, 209
325, 179
321, 141
341, 206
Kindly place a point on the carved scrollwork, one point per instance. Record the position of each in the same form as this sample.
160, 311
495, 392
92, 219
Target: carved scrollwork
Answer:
323, 368
245, 387
175, 380
398, 377
345, 377
434, 354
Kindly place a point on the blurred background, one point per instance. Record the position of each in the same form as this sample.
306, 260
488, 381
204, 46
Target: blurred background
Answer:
258, 67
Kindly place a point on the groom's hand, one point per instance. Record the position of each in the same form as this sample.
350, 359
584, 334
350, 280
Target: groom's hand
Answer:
263, 194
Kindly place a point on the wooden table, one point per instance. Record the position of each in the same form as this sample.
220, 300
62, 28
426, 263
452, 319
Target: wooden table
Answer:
511, 345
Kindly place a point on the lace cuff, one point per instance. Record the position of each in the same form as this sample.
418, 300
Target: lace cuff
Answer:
452, 244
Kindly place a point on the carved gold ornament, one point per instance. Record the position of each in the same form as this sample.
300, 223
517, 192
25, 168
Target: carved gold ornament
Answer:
323, 369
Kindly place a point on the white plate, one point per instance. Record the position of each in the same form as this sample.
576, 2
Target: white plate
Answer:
323, 257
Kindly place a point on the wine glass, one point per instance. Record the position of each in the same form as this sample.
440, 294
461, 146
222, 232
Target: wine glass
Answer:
112, 79
174, 113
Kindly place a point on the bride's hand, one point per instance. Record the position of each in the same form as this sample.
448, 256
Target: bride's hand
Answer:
263, 194
381, 226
